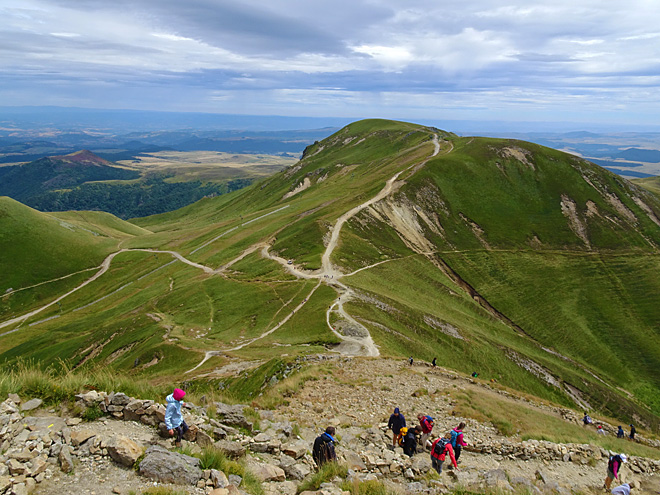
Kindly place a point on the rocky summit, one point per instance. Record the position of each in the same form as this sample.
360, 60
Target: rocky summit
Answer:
48, 450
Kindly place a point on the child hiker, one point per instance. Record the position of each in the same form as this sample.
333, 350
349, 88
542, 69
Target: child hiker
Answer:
173, 417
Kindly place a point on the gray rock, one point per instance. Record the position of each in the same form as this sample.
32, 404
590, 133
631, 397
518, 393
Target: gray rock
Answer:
124, 450
232, 415
203, 439
66, 463
14, 398
218, 478
31, 404
235, 479
294, 449
230, 449
162, 465
118, 399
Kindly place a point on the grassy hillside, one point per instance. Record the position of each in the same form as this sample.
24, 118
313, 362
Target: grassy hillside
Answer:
35, 246
650, 183
528, 265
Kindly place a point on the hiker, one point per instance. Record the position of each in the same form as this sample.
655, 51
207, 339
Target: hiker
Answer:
396, 422
632, 432
622, 489
475, 374
439, 450
600, 431
426, 424
620, 433
409, 440
587, 419
173, 417
410, 360
324, 447
613, 467
457, 441
433, 362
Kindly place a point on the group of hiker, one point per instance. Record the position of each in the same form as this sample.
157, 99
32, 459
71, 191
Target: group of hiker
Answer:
417, 438
412, 439
586, 420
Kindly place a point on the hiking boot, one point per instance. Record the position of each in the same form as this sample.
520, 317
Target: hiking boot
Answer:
177, 445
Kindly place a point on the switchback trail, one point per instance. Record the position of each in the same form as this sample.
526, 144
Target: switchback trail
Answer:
357, 340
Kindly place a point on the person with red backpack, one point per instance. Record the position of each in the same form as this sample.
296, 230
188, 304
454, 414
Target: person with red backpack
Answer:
457, 441
439, 450
426, 423
613, 467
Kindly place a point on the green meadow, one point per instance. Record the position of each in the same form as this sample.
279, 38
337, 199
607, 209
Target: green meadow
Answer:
528, 265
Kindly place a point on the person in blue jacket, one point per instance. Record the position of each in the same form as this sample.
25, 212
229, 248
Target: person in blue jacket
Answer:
173, 417
396, 422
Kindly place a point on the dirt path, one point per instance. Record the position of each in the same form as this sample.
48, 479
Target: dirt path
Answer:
358, 342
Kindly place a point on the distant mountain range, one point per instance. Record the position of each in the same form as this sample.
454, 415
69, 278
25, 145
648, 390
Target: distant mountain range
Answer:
85, 181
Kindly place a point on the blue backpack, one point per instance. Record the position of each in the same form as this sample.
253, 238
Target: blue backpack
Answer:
454, 438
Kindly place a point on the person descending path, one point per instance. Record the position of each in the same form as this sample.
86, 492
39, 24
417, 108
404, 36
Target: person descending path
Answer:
622, 489
409, 440
433, 362
426, 424
439, 450
324, 447
457, 441
632, 432
620, 433
613, 467
396, 422
173, 417
410, 360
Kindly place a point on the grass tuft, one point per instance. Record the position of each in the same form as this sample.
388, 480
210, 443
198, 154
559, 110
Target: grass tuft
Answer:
327, 472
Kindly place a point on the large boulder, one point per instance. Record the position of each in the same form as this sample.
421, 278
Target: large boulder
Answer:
124, 450
230, 449
232, 415
171, 467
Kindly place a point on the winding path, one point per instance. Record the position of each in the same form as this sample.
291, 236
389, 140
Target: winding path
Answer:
360, 343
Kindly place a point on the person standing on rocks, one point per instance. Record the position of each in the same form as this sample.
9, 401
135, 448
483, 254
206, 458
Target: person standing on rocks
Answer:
426, 424
457, 441
439, 450
396, 422
324, 447
613, 467
173, 417
632, 432
409, 442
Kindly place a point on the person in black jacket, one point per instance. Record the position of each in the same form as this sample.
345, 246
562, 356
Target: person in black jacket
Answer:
632, 432
396, 422
324, 447
409, 442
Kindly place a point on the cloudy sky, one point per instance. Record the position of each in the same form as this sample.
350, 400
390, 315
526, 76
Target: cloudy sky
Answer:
517, 60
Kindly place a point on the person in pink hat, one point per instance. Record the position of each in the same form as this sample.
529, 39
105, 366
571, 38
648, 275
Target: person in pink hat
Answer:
173, 417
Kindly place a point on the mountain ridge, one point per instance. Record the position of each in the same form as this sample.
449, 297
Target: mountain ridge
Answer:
562, 249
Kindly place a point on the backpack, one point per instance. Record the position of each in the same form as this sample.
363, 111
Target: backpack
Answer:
403, 432
440, 446
610, 463
454, 438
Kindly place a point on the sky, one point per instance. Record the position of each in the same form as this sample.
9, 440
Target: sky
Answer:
520, 60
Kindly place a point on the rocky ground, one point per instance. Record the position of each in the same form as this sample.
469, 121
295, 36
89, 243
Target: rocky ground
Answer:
48, 453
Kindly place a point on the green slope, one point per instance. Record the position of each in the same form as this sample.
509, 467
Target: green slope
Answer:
531, 266
35, 246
